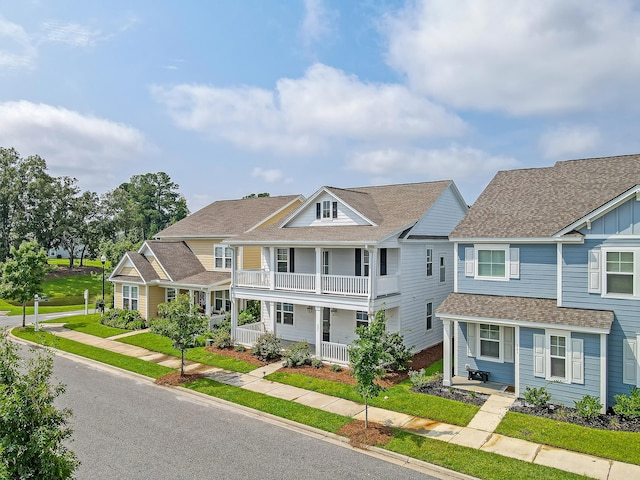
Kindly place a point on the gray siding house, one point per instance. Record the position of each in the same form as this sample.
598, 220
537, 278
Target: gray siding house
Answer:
547, 286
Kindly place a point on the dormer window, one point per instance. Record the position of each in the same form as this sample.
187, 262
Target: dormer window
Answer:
326, 209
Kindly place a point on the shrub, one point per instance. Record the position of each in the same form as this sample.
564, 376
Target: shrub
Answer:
628, 406
418, 378
267, 347
316, 363
127, 319
221, 338
239, 348
296, 355
336, 368
393, 344
245, 317
538, 397
588, 407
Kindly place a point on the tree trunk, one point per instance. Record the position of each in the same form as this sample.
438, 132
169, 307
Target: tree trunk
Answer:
24, 314
366, 413
182, 364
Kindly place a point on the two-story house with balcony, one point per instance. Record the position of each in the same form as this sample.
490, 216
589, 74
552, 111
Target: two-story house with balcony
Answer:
344, 255
546, 291
188, 257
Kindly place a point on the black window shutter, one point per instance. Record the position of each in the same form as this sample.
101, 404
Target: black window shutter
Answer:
318, 207
383, 261
291, 260
335, 209
358, 262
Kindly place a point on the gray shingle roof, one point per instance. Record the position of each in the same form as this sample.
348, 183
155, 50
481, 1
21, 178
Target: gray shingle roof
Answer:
226, 218
205, 278
521, 309
177, 259
540, 202
391, 207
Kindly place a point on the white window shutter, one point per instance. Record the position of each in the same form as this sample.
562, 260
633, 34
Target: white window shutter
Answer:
472, 342
629, 362
514, 263
507, 354
469, 270
595, 271
577, 361
538, 356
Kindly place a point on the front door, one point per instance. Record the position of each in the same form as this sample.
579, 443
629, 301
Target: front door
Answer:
326, 324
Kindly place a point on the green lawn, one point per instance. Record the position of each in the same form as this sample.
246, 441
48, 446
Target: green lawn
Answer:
622, 446
70, 290
43, 308
398, 398
110, 358
90, 324
157, 343
76, 263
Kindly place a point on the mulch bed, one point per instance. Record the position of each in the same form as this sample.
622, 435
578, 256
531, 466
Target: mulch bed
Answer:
361, 437
61, 271
245, 355
437, 389
175, 380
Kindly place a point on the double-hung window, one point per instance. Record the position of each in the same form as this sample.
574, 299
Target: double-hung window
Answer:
284, 313
489, 341
443, 271
129, 297
492, 263
362, 319
223, 257
282, 259
558, 356
326, 209
429, 261
429, 316
170, 294
620, 273
221, 301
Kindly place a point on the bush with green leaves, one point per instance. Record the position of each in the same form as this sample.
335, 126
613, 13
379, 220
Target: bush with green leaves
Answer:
239, 348
589, 407
539, 397
418, 378
399, 353
267, 347
335, 367
221, 338
245, 317
628, 406
316, 363
296, 355
127, 319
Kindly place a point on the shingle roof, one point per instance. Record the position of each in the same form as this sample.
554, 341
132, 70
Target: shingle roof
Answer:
391, 207
177, 259
126, 279
205, 278
521, 309
540, 202
226, 218
145, 269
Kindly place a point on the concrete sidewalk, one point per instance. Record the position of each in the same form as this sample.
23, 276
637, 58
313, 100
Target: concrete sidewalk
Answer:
478, 434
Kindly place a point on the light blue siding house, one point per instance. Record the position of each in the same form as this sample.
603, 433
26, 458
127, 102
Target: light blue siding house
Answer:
547, 281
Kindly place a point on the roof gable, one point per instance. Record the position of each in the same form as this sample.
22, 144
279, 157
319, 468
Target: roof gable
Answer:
541, 202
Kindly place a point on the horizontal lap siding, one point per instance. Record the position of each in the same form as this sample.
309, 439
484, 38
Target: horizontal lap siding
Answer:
627, 312
538, 274
203, 250
498, 372
417, 288
303, 328
250, 258
563, 393
156, 297
442, 217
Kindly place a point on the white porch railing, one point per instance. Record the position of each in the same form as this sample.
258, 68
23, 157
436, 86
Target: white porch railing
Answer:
345, 285
216, 319
248, 334
305, 282
252, 278
335, 352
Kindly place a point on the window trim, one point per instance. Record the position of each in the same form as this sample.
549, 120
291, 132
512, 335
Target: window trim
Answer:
130, 298
227, 254
442, 269
636, 270
364, 322
282, 309
491, 247
500, 342
225, 299
284, 261
429, 315
326, 209
429, 261
170, 298
567, 358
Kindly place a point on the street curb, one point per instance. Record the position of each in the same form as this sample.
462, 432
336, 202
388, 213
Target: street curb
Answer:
335, 439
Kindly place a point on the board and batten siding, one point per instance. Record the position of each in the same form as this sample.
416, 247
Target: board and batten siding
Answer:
307, 217
565, 393
537, 278
203, 250
626, 323
416, 289
623, 220
445, 213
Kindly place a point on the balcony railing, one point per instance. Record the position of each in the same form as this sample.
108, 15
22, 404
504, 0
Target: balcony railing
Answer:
306, 282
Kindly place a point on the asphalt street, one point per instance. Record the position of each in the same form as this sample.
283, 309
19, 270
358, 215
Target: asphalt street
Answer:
127, 428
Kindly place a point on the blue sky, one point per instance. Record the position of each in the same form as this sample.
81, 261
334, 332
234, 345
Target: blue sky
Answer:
234, 97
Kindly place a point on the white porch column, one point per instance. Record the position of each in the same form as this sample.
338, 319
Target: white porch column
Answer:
373, 272
207, 309
318, 270
319, 332
516, 359
446, 352
272, 269
603, 370
272, 315
234, 317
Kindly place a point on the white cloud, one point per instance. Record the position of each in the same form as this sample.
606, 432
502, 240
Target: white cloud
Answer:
303, 115
317, 21
71, 34
269, 175
455, 162
82, 146
16, 50
519, 56
569, 141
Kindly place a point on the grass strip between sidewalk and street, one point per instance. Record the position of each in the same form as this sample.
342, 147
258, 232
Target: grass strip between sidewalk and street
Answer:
622, 446
397, 398
158, 343
484, 465
125, 362
90, 324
